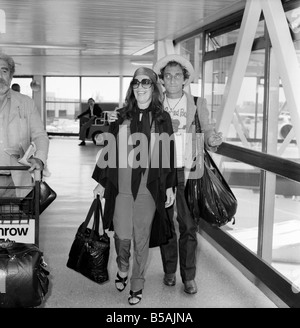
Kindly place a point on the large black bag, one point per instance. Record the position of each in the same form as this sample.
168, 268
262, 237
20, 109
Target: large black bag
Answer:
47, 196
23, 277
210, 197
89, 252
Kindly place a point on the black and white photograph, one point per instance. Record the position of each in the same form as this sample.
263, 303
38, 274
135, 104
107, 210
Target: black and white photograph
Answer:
149, 157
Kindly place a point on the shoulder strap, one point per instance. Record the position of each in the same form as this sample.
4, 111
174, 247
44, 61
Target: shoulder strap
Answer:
94, 210
197, 121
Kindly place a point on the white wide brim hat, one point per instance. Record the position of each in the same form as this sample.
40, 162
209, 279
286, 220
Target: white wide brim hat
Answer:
161, 63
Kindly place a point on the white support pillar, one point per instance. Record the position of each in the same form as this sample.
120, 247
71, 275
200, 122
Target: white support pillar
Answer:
197, 66
273, 106
238, 126
2, 21
265, 244
239, 64
286, 57
163, 48
38, 97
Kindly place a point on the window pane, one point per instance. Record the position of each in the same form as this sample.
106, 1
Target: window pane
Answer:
62, 104
216, 74
246, 125
192, 50
62, 89
214, 42
60, 117
286, 230
244, 181
101, 89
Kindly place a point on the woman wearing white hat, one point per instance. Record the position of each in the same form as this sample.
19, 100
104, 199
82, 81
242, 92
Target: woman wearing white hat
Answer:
176, 72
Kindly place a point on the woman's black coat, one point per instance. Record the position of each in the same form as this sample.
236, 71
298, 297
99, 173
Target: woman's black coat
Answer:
159, 179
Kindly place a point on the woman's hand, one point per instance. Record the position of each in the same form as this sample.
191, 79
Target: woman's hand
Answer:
99, 190
170, 197
113, 116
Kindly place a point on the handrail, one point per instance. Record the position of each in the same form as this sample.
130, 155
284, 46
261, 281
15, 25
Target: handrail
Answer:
15, 168
283, 167
37, 173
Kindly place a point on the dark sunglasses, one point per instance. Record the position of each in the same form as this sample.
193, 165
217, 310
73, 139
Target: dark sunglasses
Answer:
146, 83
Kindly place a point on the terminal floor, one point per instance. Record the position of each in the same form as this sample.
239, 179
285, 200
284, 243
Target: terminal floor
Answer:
220, 284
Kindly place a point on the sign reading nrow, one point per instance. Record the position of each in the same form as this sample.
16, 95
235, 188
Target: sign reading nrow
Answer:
18, 232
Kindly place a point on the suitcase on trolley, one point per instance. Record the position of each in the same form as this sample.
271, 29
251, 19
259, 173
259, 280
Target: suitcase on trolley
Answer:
24, 278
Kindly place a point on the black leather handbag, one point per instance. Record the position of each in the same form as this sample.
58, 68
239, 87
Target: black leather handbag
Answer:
89, 252
23, 276
46, 197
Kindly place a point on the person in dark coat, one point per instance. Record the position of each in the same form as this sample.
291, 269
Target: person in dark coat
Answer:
136, 176
87, 118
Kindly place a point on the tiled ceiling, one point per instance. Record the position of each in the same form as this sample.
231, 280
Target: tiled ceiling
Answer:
96, 37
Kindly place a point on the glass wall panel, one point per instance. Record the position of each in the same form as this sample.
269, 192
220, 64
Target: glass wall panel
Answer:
246, 125
279, 197
282, 143
105, 91
62, 89
61, 117
244, 181
215, 41
281, 125
287, 145
216, 75
286, 230
102, 89
66, 97
62, 104
192, 50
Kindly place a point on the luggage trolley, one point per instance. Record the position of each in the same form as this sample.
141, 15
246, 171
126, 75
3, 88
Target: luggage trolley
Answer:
19, 216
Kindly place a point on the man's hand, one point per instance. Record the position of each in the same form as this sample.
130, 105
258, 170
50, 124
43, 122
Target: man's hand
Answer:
170, 195
35, 164
215, 140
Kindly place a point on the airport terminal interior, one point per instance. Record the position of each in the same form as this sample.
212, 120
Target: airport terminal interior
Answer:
220, 284
246, 57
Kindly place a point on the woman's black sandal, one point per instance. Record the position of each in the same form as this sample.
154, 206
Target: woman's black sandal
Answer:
122, 281
138, 295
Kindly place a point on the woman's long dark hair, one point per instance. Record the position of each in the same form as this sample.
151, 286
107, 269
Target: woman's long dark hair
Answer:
131, 105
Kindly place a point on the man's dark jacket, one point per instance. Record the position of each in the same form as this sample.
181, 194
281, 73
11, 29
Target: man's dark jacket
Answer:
97, 111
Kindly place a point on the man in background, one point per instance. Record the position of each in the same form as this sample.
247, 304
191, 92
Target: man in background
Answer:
94, 111
20, 126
